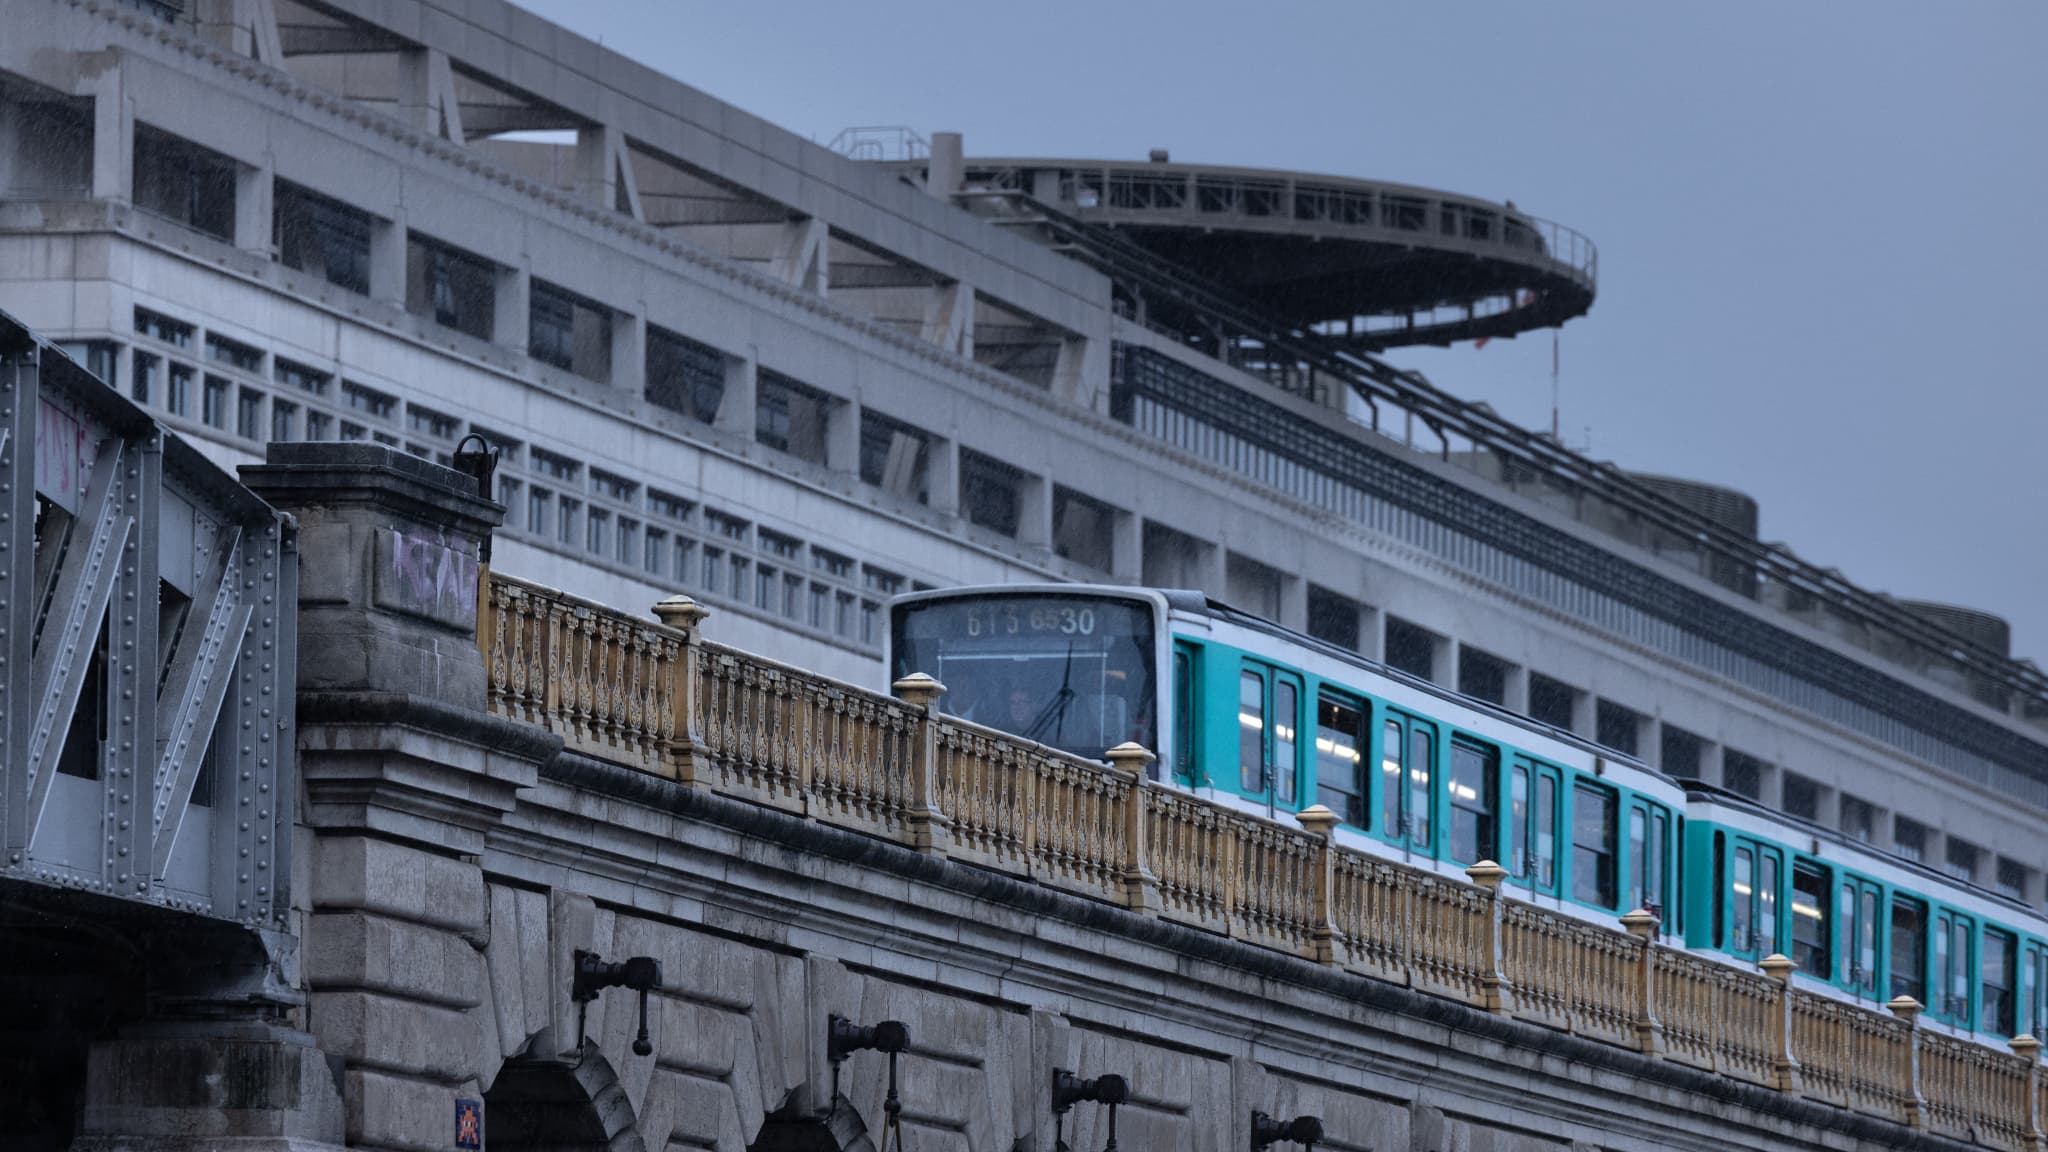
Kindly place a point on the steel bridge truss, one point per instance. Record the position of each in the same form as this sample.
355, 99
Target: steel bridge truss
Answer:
147, 655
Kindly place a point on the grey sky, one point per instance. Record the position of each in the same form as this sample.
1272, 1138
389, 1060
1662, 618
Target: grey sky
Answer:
1823, 268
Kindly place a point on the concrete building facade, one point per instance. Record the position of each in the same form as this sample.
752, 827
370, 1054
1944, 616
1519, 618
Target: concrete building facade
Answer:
721, 359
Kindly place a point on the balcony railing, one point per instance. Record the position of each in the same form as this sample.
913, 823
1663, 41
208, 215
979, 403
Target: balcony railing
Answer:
660, 699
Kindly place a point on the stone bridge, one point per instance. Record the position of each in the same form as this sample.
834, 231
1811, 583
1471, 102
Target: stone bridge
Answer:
502, 792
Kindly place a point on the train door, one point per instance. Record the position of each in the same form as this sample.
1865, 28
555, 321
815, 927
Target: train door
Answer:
1184, 769
1341, 736
1595, 859
1532, 825
1813, 925
1269, 737
2034, 994
1407, 783
1953, 935
1753, 879
1856, 905
1649, 857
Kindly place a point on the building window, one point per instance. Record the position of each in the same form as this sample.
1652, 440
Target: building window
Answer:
183, 182
654, 552
142, 384
538, 501
668, 507
234, 354
160, 327
427, 422
369, 401
1743, 774
566, 331
622, 540
1552, 702
1616, 727
1859, 819
1083, 529
1681, 753
612, 487
1334, 619
450, 287
683, 375
508, 494
1481, 676
311, 381
565, 520
99, 357
596, 524
1960, 859
1909, 838
178, 391
991, 493
2012, 879
1411, 648
213, 402
894, 456
729, 527
249, 414
1801, 797
284, 418
790, 416
319, 425
322, 236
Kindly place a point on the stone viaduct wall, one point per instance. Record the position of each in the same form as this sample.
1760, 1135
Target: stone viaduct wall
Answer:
452, 862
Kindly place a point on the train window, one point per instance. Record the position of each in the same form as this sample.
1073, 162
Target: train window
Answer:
1421, 766
1638, 854
1391, 743
1657, 885
1183, 714
2036, 972
1909, 949
1546, 829
1743, 886
1475, 797
1996, 974
1593, 880
1812, 933
1519, 862
1286, 744
1766, 901
1952, 967
1251, 732
1857, 914
1340, 733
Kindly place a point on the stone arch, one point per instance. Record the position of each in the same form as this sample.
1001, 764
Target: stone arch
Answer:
839, 1130
536, 1105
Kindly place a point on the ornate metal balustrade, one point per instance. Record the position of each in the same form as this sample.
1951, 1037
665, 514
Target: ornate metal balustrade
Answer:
660, 699
147, 655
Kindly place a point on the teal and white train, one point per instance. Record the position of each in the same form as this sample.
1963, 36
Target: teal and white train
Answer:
1248, 714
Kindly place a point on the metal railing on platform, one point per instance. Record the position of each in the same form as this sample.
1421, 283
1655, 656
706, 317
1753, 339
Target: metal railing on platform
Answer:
658, 698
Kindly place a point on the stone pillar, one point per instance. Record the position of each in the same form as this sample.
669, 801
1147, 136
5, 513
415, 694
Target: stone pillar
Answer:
403, 774
1642, 925
512, 303
1784, 1066
1141, 887
629, 352
113, 135
942, 476
388, 273
255, 189
1321, 822
1500, 995
928, 828
1912, 1103
736, 404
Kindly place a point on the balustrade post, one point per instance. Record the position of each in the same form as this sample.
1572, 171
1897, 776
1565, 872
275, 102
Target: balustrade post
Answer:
927, 826
1321, 823
1141, 887
1784, 1068
1911, 1102
1642, 924
1493, 982
686, 749
2027, 1048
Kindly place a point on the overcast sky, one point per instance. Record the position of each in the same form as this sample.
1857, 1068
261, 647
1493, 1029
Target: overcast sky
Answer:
1823, 241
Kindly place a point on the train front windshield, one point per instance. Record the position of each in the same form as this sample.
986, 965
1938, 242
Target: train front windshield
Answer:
1071, 672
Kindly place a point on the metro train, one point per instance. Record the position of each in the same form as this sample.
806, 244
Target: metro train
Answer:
1266, 720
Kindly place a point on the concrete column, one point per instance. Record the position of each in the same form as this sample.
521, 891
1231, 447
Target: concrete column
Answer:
113, 137
947, 168
1127, 548
942, 475
736, 405
254, 191
403, 772
1293, 603
513, 301
842, 436
387, 261
629, 351
1034, 513
1515, 693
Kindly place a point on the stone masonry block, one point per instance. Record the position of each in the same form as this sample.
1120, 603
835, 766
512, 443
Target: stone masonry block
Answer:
395, 1035
381, 954
354, 872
